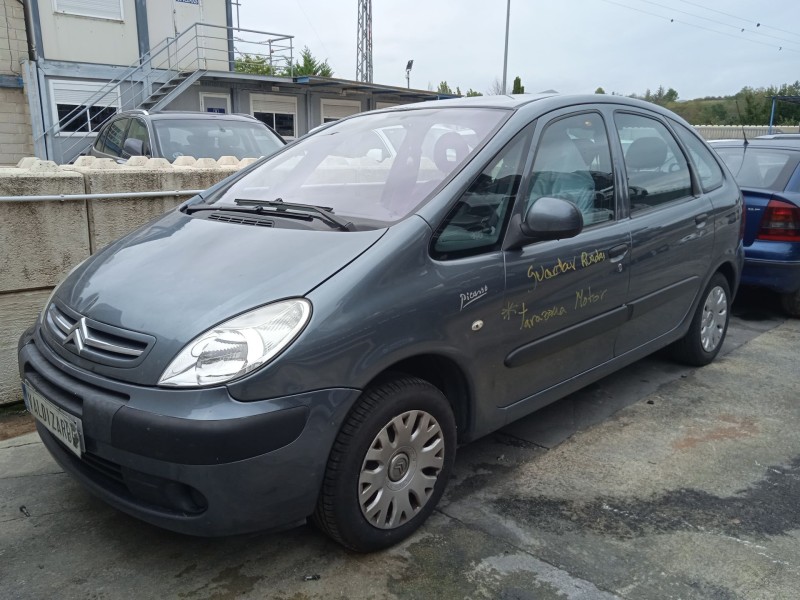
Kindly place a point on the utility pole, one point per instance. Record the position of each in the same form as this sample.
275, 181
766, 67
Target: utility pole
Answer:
364, 42
505, 55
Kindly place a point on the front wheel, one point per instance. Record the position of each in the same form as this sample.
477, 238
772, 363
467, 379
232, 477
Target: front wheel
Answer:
389, 465
703, 341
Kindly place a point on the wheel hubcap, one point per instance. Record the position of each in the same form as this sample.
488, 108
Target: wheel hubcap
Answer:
715, 318
400, 469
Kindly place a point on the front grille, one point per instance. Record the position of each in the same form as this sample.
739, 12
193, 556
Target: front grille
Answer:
241, 220
95, 341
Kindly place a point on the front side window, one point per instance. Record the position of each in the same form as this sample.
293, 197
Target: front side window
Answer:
657, 169
477, 221
115, 137
376, 167
573, 162
138, 131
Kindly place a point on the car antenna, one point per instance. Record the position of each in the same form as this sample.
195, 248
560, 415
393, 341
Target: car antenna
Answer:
741, 123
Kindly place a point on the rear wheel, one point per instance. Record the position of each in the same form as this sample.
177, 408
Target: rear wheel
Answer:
703, 341
791, 303
389, 465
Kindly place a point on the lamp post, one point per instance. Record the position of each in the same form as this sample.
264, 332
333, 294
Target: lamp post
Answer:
505, 55
408, 73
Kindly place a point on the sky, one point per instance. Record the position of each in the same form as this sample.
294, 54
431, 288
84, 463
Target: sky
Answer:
700, 47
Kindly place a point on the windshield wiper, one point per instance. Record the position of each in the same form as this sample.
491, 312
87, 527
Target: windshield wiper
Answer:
323, 213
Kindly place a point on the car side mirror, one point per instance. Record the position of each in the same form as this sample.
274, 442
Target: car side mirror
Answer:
133, 147
546, 219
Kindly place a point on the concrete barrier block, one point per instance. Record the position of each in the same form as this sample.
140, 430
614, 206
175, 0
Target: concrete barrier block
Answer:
136, 161
228, 161
44, 166
27, 162
40, 241
19, 311
84, 161
184, 161
206, 163
111, 219
158, 163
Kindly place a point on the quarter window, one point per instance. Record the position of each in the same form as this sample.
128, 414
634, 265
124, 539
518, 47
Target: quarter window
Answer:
573, 162
707, 168
657, 169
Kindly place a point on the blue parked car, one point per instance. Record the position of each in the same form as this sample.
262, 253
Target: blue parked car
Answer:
767, 170
314, 336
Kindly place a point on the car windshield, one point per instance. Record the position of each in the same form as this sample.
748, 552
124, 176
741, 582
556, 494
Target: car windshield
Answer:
758, 167
375, 167
214, 138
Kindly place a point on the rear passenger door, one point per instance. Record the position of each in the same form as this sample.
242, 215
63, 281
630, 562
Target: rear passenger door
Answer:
671, 229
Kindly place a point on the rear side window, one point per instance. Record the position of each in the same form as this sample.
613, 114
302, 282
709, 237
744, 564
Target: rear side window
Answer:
657, 169
707, 168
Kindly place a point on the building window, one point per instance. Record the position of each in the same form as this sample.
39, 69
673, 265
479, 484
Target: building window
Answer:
70, 99
99, 9
279, 112
333, 110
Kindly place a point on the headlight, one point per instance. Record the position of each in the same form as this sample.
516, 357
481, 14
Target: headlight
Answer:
237, 347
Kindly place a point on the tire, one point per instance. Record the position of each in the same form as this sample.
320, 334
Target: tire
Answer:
791, 304
397, 446
706, 334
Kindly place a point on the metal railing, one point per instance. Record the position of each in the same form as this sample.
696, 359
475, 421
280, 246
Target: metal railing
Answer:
201, 47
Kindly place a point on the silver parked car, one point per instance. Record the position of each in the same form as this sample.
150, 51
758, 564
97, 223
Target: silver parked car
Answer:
172, 134
315, 336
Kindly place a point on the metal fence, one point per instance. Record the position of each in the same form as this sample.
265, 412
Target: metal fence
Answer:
736, 132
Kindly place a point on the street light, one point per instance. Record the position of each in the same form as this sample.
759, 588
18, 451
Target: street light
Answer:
408, 73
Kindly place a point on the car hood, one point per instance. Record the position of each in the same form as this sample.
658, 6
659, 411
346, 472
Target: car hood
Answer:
181, 275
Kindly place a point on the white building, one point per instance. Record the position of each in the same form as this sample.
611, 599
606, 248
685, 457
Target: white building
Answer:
84, 60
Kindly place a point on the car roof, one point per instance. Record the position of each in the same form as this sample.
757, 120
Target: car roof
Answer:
189, 114
544, 102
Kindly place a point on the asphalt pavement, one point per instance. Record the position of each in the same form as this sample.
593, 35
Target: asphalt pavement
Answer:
657, 482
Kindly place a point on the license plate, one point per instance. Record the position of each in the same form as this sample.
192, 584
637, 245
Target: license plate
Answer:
61, 424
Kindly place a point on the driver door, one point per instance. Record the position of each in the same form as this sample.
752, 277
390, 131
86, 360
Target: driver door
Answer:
563, 303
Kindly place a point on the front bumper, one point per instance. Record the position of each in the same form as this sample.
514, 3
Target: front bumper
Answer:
193, 461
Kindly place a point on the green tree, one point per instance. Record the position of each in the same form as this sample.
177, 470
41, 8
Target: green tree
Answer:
309, 65
471, 93
518, 87
599, 91
444, 88
257, 65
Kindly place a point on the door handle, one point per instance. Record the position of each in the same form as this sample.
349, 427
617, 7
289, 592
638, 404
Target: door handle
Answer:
617, 253
701, 220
